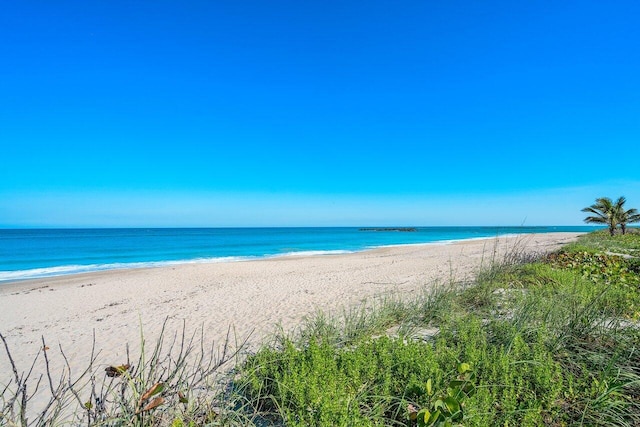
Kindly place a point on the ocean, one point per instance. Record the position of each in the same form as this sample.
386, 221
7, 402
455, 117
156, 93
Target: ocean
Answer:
35, 253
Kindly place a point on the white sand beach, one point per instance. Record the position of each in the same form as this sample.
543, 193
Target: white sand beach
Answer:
250, 296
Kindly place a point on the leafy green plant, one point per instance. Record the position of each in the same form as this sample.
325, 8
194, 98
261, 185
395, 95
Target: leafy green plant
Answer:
446, 408
597, 267
616, 278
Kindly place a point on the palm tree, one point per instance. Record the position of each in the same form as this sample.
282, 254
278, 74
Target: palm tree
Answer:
605, 212
627, 217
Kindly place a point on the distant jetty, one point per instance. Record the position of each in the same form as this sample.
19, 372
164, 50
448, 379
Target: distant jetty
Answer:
401, 229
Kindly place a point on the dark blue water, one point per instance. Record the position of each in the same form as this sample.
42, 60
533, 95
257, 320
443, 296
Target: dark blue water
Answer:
40, 253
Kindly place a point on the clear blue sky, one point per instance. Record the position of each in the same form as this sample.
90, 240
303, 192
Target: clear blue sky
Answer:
247, 113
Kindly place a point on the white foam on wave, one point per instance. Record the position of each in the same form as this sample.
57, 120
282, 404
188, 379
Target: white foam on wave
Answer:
37, 273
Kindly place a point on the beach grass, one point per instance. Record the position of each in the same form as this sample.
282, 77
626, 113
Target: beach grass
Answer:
551, 341
533, 340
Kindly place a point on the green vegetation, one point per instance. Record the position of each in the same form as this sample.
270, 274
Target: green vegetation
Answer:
531, 342
600, 241
550, 342
605, 211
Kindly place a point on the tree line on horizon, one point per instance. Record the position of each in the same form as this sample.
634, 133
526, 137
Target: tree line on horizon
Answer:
613, 214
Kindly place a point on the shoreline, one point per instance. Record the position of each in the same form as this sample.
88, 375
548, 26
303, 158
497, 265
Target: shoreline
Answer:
253, 297
98, 268
115, 312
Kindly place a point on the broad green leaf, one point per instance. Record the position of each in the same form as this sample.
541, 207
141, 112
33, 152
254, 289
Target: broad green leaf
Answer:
434, 418
464, 367
423, 417
452, 404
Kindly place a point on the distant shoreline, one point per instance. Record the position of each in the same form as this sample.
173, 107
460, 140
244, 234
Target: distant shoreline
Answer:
18, 276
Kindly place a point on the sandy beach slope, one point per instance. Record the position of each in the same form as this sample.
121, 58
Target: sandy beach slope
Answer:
251, 296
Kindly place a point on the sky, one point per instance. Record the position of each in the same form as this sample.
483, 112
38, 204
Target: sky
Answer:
316, 113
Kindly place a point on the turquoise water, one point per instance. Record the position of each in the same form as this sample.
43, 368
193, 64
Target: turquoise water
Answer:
26, 254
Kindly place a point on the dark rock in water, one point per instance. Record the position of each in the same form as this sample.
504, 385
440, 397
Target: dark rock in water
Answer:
401, 229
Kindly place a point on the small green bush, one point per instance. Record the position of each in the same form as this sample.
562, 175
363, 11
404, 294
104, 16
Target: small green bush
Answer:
376, 381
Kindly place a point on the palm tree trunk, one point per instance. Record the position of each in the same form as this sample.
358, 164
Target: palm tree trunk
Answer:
612, 230
623, 227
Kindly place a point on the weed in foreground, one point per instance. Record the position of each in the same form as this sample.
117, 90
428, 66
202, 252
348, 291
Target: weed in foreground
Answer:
178, 380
